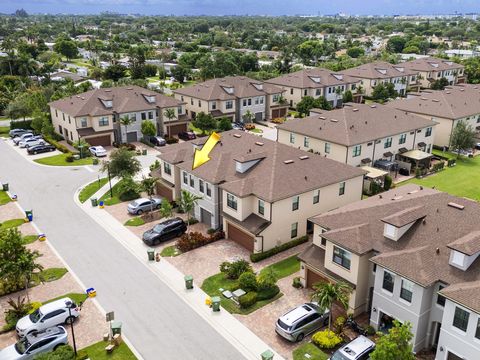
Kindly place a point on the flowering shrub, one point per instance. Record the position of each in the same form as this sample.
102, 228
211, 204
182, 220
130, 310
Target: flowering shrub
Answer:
326, 339
278, 121
249, 126
193, 240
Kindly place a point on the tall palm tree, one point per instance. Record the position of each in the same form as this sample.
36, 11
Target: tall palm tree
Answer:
187, 203
148, 185
248, 116
126, 120
327, 293
170, 115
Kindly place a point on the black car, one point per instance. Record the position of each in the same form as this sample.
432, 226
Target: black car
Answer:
18, 132
37, 149
164, 231
187, 135
158, 141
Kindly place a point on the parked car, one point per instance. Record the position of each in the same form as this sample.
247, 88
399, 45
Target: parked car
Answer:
238, 126
37, 343
477, 146
37, 149
164, 231
187, 135
24, 136
48, 315
139, 206
358, 349
158, 141
17, 132
467, 153
301, 321
31, 141
98, 151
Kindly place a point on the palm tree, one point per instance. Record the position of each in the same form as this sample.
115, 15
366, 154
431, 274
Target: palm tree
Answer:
187, 203
327, 293
248, 116
170, 115
148, 185
126, 121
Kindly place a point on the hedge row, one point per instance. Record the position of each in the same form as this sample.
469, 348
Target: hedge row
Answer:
21, 124
277, 249
59, 146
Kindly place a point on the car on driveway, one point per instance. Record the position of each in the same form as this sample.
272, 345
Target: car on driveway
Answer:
24, 136
164, 231
98, 151
358, 349
187, 135
31, 141
238, 126
139, 206
33, 344
48, 315
158, 141
37, 149
301, 321
17, 132
477, 146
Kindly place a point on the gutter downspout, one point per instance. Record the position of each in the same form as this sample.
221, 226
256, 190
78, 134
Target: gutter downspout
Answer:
373, 155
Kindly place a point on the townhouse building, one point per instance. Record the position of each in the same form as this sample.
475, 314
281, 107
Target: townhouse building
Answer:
430, 69
259, 191
446, 107
233, 97
409, 254
359, 134
317, 82
95, 115
380, 72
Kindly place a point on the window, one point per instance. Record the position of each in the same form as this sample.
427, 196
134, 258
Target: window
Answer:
229, 104
316, 196
69, 119
276, 97
180, 110
291, 91
403, 139
103, 121
144, 116
63, 115
56, 113
256, 101
306, 142
209, 190
357, 150
201, 186
460, 319
305, 92
214, 105
292, 138
327, 148
388, 281
295, 202
60, 129
341, 257
231, 201
244, 102
323, 241
192, 181
261, 100
440, 298
191, 101
294, 230
83, 122
388, 143
428, 132
199, 103
477, 331
185, 178
318, 92
261, 207
406, 291
71, 135
341, 189
150, 115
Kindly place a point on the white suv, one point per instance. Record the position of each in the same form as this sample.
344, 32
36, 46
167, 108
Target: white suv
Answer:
358, 349
48, 315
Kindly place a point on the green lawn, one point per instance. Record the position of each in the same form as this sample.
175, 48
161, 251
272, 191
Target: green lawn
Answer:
97, 352
112, 200
4, 131
87, 192
28, 239
136, 221
257, 131
80, 62
285, 267
170, 251
8, 224
59, 160
308, 348
461, 180
212, 285
76, 297
48, 275
4, 198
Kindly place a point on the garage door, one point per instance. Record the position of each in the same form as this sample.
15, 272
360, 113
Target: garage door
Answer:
259, 116
275, 114
240, 237
165, 191
313, 278
99, 140
452, 356
205, 217
132, 136
175, 129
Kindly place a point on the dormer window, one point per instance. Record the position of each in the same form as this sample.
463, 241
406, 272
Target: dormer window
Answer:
315, 79
107, 103
382, 71
258, 86
228, 90
338, 76
150, 98
398, 223
465, 250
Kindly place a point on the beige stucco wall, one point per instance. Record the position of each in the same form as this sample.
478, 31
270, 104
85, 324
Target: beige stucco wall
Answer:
67, 123
193, 107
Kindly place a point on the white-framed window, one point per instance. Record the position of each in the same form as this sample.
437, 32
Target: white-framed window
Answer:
292, 138
167, 169
342, 257
306, 141
428, 132
406, 291
192, 181
295, 202
327, 148
103, 121
185, 178
357, 150
232, 201
341, 188
261, 207
276, 97
201, 186
388, 281
229, 104
460, 318
294, 230
388, 143
83, 122
209, 189
402, 139
316, 196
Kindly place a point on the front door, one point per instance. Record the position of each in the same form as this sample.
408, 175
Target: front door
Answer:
436, 333
205, 217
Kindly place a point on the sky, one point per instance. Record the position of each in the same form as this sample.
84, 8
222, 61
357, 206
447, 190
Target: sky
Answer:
243, 7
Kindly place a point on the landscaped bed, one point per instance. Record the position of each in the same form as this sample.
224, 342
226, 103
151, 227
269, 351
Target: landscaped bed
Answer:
87, 192
135, 221
61, 160
170, 251
115, 199
97, 352
4, 198
313, 352
12, 223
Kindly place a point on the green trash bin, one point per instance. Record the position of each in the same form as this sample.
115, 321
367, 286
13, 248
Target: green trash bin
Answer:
188, 281
94, 201
144, 152
116, 328
267, 355
5, 186
151, 254
216, 303
29, 215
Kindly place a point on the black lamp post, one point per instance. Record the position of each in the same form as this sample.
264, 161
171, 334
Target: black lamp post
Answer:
109, 179
69, 305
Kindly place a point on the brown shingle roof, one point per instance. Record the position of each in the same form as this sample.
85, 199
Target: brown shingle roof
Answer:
406, 216
452, 103
218, 89
312, 78
124, 99
271, 178
356, 124
378, 70
466, 294
431, 64
468, 244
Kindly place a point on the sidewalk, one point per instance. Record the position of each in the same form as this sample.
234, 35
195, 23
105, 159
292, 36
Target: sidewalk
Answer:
226, 324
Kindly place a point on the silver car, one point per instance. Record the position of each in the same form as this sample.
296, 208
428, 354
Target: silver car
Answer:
36, 343
358, 349
139, 206
301, 321
24, 136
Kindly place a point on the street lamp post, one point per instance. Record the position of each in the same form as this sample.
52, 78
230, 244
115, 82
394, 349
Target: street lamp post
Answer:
69, 305
109, 179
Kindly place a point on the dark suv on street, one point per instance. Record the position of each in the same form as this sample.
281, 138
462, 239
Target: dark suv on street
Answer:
164, 231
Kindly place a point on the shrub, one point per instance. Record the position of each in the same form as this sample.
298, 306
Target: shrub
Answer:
60, 147
18, 309
233, 270
192, 221
248, 281
388, 183
248, 299
451, 162
249, 126
277, 249
64, 352
370, 330
34, 306
267, 293
193, 240
278, 121
326, 339
339, 324
128, 189
146, 142
210, 231
438, 166
130, 147
21, 124
225, 124
95, 161
267, 278
82, 355
155, 165
297, 283
171, 140
375, 188
69, 158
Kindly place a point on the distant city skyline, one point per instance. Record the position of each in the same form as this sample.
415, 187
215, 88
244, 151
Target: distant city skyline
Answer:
243, 7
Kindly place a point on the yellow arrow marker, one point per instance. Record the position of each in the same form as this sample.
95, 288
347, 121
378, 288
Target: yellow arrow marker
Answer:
201, 156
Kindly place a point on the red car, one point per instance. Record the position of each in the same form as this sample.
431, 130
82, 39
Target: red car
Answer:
187, 135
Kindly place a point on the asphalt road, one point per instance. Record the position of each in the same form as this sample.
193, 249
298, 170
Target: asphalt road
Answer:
155, 320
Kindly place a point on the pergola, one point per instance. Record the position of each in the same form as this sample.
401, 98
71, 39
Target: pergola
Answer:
418, 158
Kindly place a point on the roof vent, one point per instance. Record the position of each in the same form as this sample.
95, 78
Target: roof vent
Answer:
237, 135
288, 162
129, 88
108, 90
304, 157
373, 106
435, 100
456, 206
334, 120
259, 143
322, 117
354, 110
